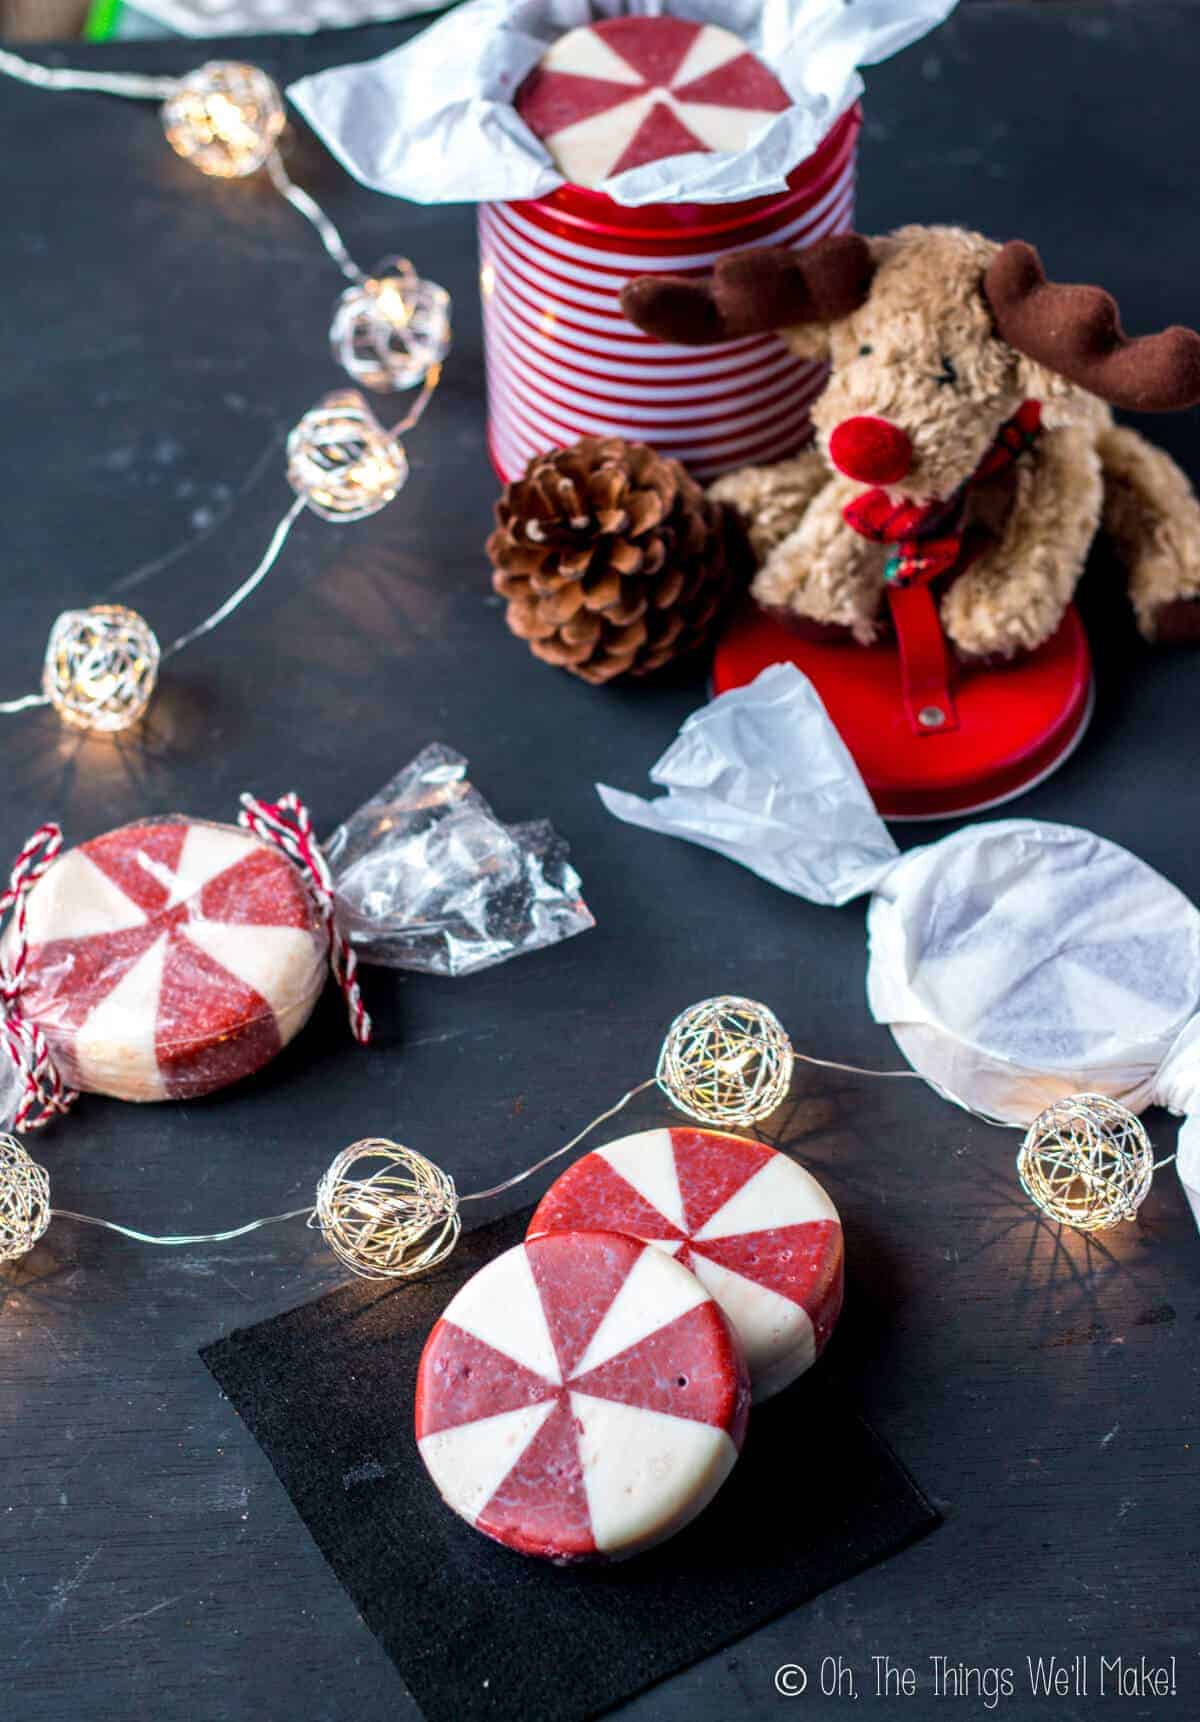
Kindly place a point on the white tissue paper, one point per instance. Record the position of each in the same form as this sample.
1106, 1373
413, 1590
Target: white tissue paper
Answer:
433, 120
762, 776
1015, 962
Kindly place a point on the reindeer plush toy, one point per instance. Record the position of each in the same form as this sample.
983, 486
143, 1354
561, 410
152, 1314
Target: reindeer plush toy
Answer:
964, 438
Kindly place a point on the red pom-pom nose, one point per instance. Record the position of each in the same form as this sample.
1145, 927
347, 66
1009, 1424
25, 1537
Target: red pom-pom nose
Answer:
871, 450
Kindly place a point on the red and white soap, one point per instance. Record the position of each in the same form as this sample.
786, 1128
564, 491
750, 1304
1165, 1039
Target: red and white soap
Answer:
582, 1397
169, 958
616, 95
757, 1230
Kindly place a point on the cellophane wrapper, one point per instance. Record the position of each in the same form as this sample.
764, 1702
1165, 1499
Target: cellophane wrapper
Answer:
11, 1089
1015, 961
428, 878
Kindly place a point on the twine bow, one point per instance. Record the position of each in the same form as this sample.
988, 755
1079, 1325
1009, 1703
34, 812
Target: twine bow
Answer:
287, 824
44, 1093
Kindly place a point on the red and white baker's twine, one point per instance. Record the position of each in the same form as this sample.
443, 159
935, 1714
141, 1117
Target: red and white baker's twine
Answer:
44, 1093
287, 824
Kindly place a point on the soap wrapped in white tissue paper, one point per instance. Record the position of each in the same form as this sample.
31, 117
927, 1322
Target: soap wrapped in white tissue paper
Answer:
1015, 962
433, 120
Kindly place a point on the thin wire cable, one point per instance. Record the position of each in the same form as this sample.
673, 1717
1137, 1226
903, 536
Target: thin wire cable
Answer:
433, 377
519, 1177
311, 210
27, 702
193, 1238
68, 78
651, 1082
158, 564
310, 1212
249, 585
853, 1069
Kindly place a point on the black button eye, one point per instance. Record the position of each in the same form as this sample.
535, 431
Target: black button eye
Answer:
947, 375
865, 352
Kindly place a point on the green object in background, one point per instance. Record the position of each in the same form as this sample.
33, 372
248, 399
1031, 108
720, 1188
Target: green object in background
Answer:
102, 20
118, 21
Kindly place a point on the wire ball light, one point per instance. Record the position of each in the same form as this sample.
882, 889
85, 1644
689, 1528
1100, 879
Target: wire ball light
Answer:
395, 1222
24, 1201
101, 667
1086, 1162
342, 461
389, 330
225, 118
726, 1061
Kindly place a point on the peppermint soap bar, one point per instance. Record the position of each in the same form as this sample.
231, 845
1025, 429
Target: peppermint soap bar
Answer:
169, 958
582, 1397
756, 1229
612, 96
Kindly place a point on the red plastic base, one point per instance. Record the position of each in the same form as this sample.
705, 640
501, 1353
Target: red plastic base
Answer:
1016, 722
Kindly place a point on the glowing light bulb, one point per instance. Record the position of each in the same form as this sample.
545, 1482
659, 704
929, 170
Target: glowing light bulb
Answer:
342, 461
24, 1200
1086, 1162
225, 118
390, 331
726, 1061
386, 1211
101, 667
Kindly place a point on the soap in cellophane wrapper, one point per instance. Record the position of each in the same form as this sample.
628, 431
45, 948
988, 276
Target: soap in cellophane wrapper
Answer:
427, 878
1016, 962
171, 957
168, 958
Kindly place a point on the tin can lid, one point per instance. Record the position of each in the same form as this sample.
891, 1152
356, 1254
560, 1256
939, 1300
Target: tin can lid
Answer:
1017, 722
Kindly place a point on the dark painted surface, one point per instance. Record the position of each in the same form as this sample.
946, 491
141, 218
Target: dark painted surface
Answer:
160, 332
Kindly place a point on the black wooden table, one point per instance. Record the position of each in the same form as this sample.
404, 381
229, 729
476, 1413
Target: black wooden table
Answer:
160, 334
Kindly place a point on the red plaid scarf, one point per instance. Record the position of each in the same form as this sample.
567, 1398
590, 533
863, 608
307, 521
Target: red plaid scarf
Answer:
928, 537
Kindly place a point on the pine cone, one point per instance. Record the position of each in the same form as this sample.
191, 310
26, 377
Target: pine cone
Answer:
611, 557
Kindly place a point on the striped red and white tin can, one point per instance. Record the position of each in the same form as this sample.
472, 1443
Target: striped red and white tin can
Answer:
562, 361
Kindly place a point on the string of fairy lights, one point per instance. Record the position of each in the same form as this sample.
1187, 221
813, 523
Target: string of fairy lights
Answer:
390, 332
389, 1212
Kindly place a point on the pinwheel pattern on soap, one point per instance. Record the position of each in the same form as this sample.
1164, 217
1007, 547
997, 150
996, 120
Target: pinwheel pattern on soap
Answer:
170, 958
756, 1229
582, 1396
616, 95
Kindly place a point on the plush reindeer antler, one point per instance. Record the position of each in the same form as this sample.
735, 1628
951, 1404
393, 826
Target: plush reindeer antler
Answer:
752, 292
1076, 331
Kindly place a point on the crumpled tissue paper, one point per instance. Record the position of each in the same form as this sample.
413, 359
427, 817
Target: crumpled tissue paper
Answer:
1015, 961
433, 120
